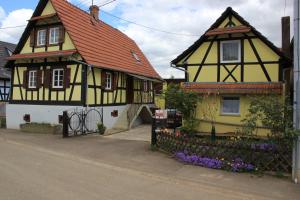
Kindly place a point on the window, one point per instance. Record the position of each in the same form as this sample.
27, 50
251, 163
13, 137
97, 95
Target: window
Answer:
108, 81
41, 37
230, 51
145, 86
58, 78
54, 35
32, 79
135, 56
231, 105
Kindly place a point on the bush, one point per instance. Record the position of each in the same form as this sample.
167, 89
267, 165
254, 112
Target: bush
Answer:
101, 128
185, 102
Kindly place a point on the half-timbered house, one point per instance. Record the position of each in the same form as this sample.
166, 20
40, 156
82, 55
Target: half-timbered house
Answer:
228, 64
68, 58
6, 50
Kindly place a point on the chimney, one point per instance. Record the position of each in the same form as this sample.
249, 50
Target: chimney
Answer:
94, 11
286, 38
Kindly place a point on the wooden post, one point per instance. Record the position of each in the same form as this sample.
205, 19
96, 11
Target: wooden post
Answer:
65, 124
153, 133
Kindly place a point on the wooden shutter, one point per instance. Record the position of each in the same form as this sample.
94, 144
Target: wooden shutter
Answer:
115, 81
141, 85
61, 35
47, 78
47, 37
25, 79
32, 38
148, 86
103, 77
39, 78
67, 77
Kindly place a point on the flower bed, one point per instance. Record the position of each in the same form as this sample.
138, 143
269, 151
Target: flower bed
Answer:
233, 155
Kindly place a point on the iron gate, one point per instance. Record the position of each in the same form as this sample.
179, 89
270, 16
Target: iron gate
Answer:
81, 121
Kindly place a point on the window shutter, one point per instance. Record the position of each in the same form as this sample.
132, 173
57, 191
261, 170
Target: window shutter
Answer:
67, 78
148, 86
142, 85
61, 35
115, 81
47, 37
25, 79
103, 77
32, 38
47, 78
39, 78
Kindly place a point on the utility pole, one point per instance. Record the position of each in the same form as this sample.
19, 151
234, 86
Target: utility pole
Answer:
296, 106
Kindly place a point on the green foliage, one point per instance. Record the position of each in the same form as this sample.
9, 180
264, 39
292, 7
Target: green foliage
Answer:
101, 128
185, 102
274, 113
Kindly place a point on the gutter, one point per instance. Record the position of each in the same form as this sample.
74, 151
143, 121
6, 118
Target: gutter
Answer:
181, 69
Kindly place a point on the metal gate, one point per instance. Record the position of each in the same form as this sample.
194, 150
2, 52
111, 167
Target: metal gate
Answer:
81, 121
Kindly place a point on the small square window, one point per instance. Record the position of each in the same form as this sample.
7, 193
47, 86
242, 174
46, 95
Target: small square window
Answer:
230, 51
231, 105
136, 57
41, 37
32, 79
108, 81
58, 78
54, 35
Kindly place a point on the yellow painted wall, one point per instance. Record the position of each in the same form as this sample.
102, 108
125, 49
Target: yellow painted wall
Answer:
42, 94
224, 123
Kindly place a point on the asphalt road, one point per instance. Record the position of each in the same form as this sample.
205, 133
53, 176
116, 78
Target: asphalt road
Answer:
32, 172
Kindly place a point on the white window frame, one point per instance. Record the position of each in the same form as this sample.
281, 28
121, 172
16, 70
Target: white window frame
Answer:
54, 35
230, 113
38, 39
239, 51
32, 79
136, 57
58, 80
108, 80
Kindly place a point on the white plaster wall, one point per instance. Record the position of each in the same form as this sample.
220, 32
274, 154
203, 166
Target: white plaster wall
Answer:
108, 120
49, 114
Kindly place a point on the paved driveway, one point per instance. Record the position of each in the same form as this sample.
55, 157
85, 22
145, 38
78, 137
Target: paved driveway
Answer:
37, 167
140, 133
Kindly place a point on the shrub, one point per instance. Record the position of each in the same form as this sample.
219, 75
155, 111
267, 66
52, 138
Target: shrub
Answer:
101, 128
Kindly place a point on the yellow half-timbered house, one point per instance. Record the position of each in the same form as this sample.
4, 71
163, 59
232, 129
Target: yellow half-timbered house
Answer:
68, 58
228, 64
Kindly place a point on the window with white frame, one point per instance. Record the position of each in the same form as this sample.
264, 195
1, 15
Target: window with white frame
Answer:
32, 79
58, 78
231, 51
108, 81
136, 57
41, 37
54, 35
230, 105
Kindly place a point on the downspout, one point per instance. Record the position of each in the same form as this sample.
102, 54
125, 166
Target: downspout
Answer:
296, 106
181, 69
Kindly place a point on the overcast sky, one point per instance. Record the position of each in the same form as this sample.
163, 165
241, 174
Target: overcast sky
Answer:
185, 17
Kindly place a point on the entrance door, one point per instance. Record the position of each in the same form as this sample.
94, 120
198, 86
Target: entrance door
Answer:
130, 90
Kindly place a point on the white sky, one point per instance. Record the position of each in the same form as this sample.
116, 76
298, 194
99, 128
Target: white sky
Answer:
191, 17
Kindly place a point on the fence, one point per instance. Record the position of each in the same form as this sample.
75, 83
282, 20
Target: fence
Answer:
81, 121
261, 155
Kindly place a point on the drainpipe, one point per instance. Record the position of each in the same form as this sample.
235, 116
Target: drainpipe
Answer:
181, 69
296, 106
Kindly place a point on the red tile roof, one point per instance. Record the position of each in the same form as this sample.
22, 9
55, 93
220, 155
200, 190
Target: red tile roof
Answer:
100, 44
42, 54
235, 88
228, 30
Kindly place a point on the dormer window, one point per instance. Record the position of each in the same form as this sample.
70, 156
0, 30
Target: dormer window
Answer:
230, 51
41, 37
136, 57
54, 35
